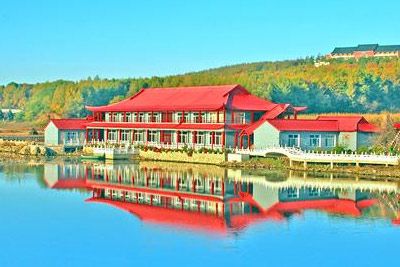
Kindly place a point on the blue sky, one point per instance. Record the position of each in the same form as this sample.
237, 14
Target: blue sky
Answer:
71, 39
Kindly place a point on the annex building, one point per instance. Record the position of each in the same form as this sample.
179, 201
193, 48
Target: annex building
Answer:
217, 117
365, 50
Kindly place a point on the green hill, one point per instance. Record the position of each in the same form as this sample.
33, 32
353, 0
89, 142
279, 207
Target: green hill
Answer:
367, 85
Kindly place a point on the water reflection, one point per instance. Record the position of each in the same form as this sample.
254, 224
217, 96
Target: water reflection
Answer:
210, 198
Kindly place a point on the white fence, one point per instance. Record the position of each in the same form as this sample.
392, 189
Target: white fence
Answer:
295, 154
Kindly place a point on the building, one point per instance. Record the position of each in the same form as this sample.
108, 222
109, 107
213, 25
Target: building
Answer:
204, 116
214, 117
325, 132
69, 133
365, 50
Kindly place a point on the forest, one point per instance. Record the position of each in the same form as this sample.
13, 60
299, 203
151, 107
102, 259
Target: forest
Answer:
369, 85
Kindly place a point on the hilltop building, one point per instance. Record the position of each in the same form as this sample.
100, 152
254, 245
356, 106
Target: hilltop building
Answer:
365, 50
217, 117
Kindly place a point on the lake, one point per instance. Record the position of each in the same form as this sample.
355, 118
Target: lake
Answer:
168, 214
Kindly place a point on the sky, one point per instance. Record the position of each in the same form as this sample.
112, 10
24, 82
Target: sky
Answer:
45, 40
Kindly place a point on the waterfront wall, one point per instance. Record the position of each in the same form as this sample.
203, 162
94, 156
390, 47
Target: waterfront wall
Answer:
181, 156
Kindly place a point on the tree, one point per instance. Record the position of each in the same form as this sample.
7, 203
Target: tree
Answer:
1, 115
10, 115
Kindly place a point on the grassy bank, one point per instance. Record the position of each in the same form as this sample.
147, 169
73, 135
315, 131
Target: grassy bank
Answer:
283, 164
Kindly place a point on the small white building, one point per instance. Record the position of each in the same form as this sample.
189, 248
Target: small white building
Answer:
69, 133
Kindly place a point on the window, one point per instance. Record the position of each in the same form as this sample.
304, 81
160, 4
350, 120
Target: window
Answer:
184, 137
141, 117
178, 117
187, 117
218, 138
200, 138
128, 117
153, 136
139, 136
240, 117
125, 135
205, 117
315, 140
293, 140
71, 136
156, 117
149, 117
112, 135
208, 138
134, 117
113, 116
330, 141
195, 117
313, 192
292, 193
107, 117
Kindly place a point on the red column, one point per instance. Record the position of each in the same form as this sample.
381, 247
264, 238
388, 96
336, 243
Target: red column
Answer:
147, 136
223, 187
124, 117
106, 135
212, 187
183, 116
119, 135
194, 136
232, 117
178, 138
200, 117
223, 139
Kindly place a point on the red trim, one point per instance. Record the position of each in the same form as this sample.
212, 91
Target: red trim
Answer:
171, 126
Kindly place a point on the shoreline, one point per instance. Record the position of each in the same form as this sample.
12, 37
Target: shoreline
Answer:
279, 164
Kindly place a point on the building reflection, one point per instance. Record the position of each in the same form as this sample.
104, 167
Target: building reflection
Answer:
214, 199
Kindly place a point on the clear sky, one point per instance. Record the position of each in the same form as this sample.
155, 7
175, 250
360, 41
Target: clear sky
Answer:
73, 39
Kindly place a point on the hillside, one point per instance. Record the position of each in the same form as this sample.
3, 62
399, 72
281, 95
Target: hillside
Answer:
369, 85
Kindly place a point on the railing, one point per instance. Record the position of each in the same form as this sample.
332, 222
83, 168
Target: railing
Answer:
73, 142
114, 144
297, 154
36, 138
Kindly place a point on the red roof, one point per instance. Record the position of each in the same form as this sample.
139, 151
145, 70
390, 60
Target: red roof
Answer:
179, 126
70, 124
272, 114
397, 125
336, 206
351, 123
175, 98
305, 125
321, 124
251, 102
186, 219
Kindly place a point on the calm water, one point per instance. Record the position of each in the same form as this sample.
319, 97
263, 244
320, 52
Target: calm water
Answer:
92, 214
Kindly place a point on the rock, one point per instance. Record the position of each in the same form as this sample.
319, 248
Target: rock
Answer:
34, 150
26, 150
